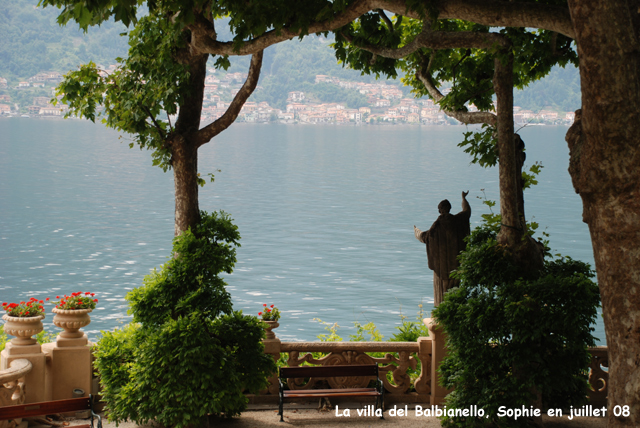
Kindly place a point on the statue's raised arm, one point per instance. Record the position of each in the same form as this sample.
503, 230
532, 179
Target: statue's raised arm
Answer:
466, 208
420, 235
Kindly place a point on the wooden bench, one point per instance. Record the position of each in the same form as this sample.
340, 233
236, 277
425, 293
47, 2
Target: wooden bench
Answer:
369, 370
51, 407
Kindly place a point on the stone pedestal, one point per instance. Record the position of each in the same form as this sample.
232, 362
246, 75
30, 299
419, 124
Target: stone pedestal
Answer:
69, 368
272, 347
35, 380
438, 352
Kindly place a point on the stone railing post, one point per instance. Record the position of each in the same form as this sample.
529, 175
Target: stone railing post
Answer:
423, 383
70, 367
272, 347
598, 378
438, 352
35, 378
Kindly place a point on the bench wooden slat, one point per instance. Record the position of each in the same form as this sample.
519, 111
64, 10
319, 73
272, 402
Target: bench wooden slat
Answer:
329, 371
336, 394
326, 391
44, 408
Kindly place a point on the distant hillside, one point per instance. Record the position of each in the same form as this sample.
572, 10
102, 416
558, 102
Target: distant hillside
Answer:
33, 42
560, 90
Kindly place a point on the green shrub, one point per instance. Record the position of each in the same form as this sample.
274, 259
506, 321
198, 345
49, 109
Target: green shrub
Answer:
187, 354
510, 339
409, 331
4, 338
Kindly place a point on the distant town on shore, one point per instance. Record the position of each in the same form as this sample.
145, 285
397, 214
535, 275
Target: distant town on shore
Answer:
387, 103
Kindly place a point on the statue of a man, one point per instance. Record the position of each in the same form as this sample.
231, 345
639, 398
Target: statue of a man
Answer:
445, 240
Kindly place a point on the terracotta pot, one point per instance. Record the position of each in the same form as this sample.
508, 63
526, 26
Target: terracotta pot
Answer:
272, 325
71, 321
23, 328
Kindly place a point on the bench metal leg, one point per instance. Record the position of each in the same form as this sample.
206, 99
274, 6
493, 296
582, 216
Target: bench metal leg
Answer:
94, 415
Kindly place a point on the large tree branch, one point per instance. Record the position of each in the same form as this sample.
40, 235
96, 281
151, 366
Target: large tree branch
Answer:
205, 135
493, 13
496, 13
436, 40
466, 117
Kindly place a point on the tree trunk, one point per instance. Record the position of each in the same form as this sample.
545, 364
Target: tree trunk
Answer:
511, 230
185, 176
184, 150
526, 251
605, 168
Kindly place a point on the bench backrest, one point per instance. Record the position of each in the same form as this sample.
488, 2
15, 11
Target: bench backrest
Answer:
45, 408
329, 371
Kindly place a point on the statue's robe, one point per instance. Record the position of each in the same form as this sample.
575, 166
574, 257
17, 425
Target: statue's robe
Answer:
445, 241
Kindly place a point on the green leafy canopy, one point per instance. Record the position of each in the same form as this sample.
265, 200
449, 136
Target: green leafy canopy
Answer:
147, 85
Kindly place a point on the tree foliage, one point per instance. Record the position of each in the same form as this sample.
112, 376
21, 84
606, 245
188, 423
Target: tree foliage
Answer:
187, 353
510, 338
136, 98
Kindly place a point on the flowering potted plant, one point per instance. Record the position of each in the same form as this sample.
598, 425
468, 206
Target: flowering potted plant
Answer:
270, 315
23, 320
77, 300
72, 313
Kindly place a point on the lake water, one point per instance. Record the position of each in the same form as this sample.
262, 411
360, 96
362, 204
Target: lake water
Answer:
326, 215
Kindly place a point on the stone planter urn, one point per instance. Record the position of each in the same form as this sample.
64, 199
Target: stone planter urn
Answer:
23, 328
71, 321
272, 325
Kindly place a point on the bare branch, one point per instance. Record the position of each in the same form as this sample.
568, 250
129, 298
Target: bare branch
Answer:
431, 58
398, 21
554, 46
386, 19
493, 13
205, 135
170, 125
203, 42
155, 123
463, 116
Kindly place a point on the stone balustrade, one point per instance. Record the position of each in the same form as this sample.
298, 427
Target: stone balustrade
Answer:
12, 386
396, 361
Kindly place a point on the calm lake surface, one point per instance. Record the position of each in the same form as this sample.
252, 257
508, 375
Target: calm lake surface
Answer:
326, 215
